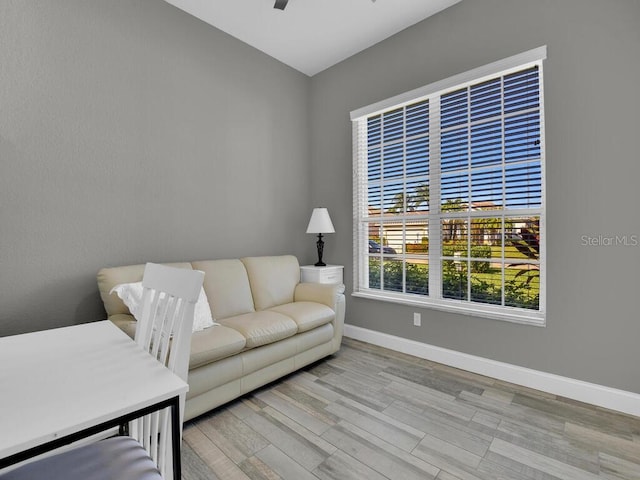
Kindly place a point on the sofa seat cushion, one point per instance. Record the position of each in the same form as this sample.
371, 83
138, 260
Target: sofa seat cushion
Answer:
261, 328
307, 315
214, 343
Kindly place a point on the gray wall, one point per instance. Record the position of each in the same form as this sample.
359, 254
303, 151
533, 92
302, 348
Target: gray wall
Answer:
132, 132
593, 167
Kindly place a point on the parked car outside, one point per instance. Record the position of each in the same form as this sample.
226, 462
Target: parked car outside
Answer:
374, 247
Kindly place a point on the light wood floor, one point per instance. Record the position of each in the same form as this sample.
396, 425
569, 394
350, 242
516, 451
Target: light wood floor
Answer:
371, 413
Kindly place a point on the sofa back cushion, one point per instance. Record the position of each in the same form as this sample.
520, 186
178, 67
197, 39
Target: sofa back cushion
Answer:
227, 287
110, 277
273, 279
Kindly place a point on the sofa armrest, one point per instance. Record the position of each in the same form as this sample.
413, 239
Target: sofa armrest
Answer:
330, 295
324, 293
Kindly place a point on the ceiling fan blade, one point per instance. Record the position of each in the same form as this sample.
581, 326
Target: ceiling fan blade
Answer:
280, 4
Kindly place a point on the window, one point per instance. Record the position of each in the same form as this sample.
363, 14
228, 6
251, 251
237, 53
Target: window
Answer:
449, 194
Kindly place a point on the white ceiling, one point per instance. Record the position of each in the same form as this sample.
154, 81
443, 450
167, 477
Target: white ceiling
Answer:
312, 35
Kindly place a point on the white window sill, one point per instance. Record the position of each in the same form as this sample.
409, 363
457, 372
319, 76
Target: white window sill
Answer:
507, 314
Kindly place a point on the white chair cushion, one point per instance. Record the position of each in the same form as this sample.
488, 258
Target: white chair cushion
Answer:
117, 458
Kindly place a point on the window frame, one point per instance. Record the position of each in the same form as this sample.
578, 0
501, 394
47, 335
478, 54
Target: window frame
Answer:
433, 92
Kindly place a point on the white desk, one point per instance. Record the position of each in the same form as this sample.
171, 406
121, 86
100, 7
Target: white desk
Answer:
57, 384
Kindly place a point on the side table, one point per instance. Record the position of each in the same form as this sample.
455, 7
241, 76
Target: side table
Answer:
328, 274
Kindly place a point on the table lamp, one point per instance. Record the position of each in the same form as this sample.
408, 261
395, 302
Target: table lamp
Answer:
320, 223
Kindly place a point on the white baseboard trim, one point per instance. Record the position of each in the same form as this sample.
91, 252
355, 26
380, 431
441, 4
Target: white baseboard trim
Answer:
599, 395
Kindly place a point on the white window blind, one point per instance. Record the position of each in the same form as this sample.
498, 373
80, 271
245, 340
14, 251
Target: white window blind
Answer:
449, 194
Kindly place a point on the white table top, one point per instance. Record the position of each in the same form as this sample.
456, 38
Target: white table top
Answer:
57, 382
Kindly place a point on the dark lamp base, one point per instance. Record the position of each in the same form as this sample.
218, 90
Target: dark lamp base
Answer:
320, 245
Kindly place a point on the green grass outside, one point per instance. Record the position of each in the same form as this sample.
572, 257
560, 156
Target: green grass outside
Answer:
509, 252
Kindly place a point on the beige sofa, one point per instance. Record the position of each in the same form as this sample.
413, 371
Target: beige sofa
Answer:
270, 324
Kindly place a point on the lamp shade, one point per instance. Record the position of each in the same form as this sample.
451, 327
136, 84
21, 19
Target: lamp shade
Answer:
320, 222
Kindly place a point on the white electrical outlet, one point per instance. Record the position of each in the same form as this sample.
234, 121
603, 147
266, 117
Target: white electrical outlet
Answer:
417, 320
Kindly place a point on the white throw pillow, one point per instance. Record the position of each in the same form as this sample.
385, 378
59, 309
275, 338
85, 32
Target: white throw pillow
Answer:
131, 295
